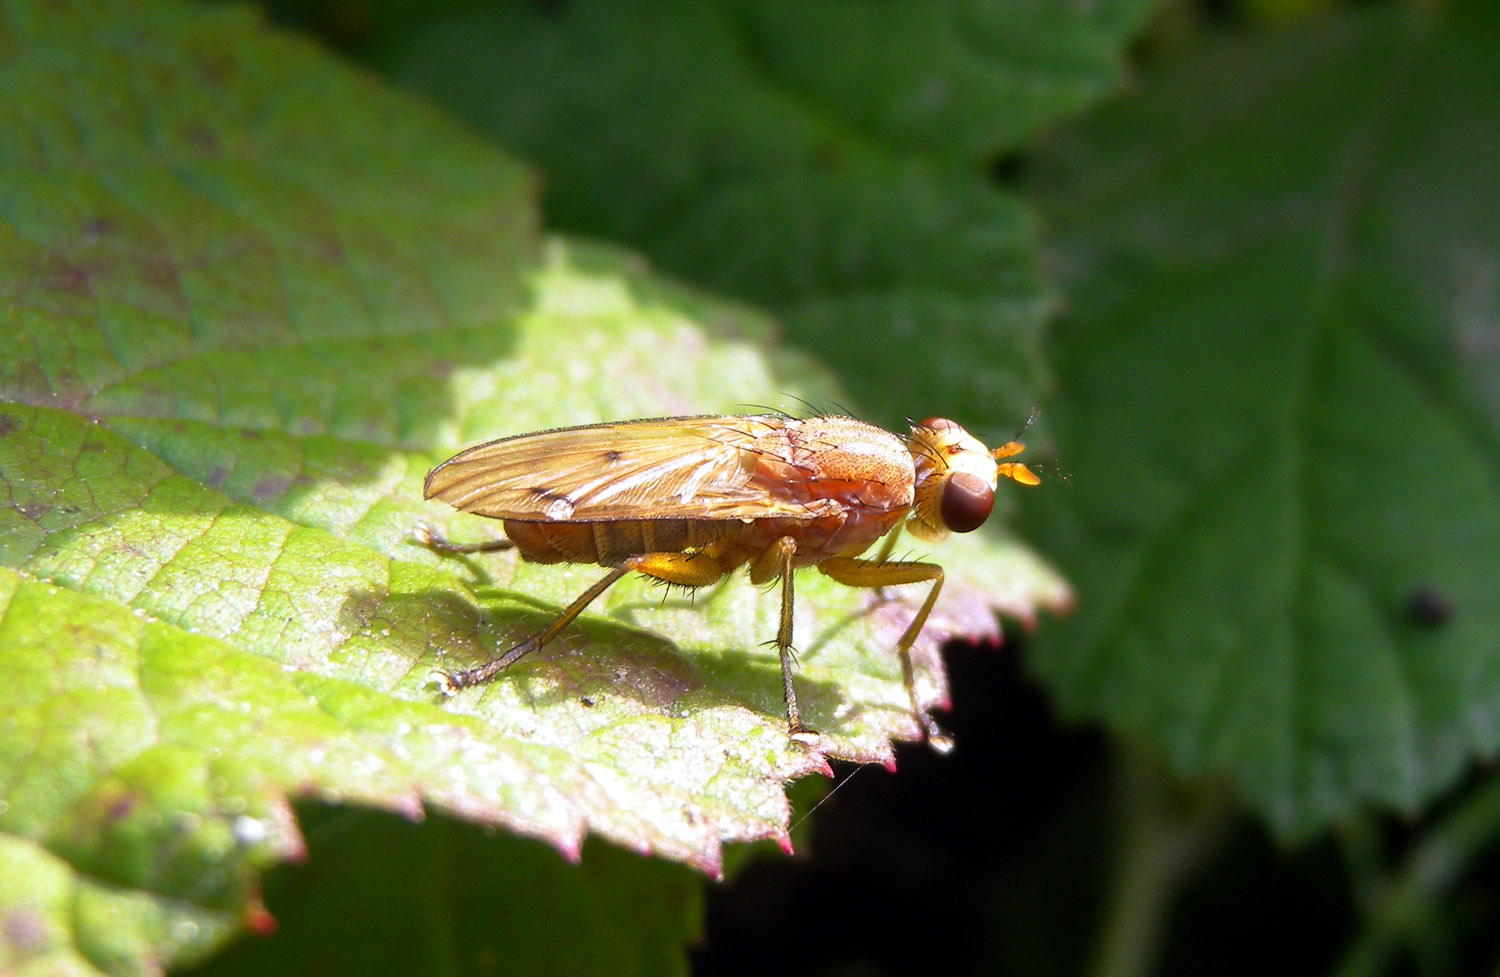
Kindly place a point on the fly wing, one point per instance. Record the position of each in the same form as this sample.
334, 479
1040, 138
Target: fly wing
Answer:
668, 468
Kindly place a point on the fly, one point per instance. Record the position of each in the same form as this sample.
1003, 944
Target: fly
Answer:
688, 500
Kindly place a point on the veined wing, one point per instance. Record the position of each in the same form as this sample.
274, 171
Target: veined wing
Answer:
663, 468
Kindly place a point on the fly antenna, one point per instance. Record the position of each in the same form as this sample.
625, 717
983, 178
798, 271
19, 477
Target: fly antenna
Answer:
1015, 470
1030, 420
1053, 472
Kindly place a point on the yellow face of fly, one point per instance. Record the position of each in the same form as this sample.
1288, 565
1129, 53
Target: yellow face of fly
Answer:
956, 478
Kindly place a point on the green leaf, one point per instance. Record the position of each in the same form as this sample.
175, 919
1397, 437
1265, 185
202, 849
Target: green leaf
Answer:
1280, 363
250, 298
826, 160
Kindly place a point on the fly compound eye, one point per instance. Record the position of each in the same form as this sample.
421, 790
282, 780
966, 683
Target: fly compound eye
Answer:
966, 502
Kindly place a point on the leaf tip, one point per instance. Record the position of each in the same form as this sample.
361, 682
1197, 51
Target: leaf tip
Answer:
258, 919
570, 847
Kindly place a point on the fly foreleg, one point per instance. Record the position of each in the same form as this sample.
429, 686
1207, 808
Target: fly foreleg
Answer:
776, 561
877, 574
684, 569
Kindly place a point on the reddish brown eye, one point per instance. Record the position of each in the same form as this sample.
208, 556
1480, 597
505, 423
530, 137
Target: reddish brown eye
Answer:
966, 502
938, 424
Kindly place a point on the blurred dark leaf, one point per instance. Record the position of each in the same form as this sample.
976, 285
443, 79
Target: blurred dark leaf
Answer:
826, 160
449, 898
1279, 403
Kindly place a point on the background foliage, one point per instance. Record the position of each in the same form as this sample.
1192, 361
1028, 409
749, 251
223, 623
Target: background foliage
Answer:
251, 295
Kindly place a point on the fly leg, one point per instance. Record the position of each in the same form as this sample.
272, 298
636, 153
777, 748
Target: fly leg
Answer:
776, 560
684, 569
451, 682
877, 574
883, 555
441, 544
886, 546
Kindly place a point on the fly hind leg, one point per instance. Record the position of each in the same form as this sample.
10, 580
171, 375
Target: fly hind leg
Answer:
877, 574
683, 569
438, 543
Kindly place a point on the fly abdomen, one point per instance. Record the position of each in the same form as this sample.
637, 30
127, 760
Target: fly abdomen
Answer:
609, 543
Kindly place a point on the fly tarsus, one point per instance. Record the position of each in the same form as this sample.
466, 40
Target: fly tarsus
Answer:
450, 683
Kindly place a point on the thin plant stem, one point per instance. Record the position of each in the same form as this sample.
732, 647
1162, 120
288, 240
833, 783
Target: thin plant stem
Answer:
1166, 831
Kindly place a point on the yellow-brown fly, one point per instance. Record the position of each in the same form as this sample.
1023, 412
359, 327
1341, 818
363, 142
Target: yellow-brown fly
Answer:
687, 500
